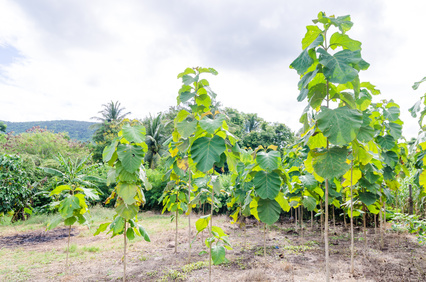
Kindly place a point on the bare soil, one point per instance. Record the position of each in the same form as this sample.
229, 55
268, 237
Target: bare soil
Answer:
291, 256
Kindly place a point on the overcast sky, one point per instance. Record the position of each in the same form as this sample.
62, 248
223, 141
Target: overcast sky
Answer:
63, 59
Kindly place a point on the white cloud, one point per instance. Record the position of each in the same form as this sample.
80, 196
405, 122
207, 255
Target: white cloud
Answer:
77, 55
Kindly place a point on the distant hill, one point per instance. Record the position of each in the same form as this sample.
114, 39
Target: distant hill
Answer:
78, 130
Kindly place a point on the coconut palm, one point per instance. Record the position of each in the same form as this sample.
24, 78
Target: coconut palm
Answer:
155, 139
112, 112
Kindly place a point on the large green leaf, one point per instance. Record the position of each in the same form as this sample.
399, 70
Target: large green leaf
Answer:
268, 211
206, 151
202, 223
339, 39
211, 125
391, 113
134, 134
367, 198
268, 161
130, 156
127, 192
186, 128
390, 158
395, 130
267, 185
282, 201
127, 211
387, 142
302, 63
338, 67
317, 94
340, 125
59, 189
366, 132
109, 151
218, 254
331, 163
311, 35
309, 202
68, 205
309, 181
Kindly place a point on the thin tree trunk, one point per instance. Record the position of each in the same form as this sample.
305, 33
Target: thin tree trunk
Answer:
176, 235
68, 250
381, 225
327, 258
189, 217
312, 220
264, 240
301, 219
375, 225
364, 217
295, 219
322, 222
352, 222
334, 219
344, 218
211, 228
245, 235
125, 248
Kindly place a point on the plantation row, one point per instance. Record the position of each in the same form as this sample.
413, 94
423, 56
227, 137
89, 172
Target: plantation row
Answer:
350, 156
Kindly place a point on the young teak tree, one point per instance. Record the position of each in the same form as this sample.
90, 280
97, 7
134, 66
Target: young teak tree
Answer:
328, 68
71, 194
125, 156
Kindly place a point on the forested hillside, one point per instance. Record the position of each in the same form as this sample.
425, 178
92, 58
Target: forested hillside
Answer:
78, 130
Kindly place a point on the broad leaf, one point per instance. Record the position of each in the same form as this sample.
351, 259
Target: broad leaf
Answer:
186, 128
211, 125
309, 181
206, 151
59, 189
70, 221
395, 130
134, 134
102, 228
338, 67
391, 113
218, 254
267, 185
268, 161
109, 151
130, 156
331, 163
366, 132
387, 142
282, 201
127, 192
268, 211
338, 39
127, 211
340, 125
202, 223
68, 205
390, 158
367, 198
309, 202
302, 63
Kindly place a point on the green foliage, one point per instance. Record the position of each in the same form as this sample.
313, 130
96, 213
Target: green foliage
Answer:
3, 127
42, 145
412, 224
76, 130
15, 187
72, 190
125, 157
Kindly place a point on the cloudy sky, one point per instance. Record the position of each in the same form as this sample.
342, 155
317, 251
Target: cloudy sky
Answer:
63, 59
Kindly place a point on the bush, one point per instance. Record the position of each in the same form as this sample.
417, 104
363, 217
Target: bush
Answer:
15, 187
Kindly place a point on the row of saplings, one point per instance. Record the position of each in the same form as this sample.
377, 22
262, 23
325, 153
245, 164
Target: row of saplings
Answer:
324, 168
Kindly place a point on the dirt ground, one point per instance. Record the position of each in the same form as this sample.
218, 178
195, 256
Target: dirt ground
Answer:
291, 256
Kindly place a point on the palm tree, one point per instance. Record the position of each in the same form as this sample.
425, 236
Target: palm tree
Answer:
112, 112
155, 139
252, 123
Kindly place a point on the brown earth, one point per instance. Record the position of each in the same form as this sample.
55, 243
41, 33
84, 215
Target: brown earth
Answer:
291, 256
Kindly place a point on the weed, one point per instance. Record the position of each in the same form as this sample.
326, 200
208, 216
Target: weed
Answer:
143, 258
92, 249
297, 248
194, 266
